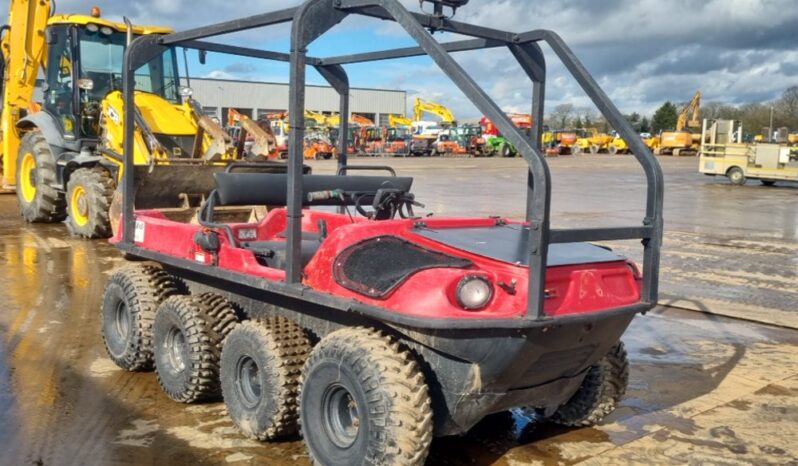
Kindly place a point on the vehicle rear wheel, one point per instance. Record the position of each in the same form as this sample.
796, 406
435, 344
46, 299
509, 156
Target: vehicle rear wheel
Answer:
364, 401
187, 339
130, 300
506, 150
576, 149
39, 199
736, 176
260, 370
602, 388
594, 149
612, 150
89, 194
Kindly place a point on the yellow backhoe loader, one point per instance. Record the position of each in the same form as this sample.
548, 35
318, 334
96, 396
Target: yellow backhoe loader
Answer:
589, 139
63, 157
681, 141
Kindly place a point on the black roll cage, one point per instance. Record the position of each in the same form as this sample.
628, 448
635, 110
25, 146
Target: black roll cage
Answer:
315, 17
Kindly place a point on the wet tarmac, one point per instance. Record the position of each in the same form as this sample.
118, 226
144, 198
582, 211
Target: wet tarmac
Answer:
704, 389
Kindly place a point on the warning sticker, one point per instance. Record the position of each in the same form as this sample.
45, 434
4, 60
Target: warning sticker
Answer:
138, 232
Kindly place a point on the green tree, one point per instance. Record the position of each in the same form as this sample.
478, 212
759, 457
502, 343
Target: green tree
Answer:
664, 118
645, 126
588, 122
578, 122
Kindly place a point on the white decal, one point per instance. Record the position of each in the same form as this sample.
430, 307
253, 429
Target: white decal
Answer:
247, 233
138, 232
113, 115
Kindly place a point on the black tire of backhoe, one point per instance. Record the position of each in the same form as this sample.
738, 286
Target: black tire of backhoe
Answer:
49, 204
142, 288
99, 187
598, 396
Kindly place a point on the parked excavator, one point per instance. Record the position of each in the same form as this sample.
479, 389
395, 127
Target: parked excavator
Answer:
63, 157
396, 120
682, 141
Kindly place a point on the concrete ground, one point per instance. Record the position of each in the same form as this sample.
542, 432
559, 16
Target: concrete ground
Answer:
705, 387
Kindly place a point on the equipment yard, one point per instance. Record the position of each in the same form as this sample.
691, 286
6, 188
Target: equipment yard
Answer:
713, 369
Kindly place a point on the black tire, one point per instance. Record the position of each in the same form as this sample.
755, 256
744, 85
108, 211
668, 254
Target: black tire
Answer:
187, 337
594, 149
506, 150
46, 203
89, 194
131, 299
767, 182
736, 176
602, 388
612, 150
260, 369
576, 149
364, 401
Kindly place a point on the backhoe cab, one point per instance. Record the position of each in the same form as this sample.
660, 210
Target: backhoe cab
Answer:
63, 157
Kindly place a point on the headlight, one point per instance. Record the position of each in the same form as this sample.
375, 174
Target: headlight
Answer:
473, 292
186, 91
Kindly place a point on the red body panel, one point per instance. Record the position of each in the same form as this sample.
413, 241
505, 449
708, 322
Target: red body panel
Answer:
571, 289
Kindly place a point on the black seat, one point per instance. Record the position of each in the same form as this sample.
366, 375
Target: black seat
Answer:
273, 253
272, 188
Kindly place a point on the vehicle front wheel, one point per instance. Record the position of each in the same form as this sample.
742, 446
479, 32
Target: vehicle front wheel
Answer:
736, 176
594, 149
598, 396
364, 401
612, 150
576, 149
89, 194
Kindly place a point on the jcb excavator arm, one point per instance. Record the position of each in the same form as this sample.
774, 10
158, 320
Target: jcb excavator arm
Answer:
23, 48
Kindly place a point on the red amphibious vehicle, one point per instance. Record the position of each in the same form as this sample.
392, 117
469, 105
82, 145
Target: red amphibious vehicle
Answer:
343, 313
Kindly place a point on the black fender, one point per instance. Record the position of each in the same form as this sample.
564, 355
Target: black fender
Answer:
50, 129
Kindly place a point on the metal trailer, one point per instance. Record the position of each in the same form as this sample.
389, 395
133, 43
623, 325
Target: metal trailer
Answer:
446, 343
724, 153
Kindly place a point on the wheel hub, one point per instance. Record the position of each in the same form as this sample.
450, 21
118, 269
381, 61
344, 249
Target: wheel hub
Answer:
28, 177
248, 381
79, 206
122, 320
175, 346
341, 419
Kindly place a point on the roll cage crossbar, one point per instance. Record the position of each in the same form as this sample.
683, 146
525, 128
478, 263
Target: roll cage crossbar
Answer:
314, 18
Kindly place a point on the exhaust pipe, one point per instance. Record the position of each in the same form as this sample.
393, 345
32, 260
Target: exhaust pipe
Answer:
129, 33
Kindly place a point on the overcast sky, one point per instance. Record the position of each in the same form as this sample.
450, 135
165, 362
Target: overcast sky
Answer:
642, 52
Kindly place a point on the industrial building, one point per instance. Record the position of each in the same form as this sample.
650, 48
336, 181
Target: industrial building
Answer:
255, 99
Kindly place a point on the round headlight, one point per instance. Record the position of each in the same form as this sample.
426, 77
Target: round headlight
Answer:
474, 292
106, 31
91, 27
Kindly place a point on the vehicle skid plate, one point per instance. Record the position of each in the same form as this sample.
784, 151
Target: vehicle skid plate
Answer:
479, 372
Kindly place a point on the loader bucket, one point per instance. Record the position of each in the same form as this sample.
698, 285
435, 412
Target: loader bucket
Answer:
168, 186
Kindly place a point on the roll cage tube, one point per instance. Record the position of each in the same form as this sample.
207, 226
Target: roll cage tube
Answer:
311, 20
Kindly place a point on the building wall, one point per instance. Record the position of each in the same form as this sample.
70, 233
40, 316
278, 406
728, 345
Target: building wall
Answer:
215, 95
